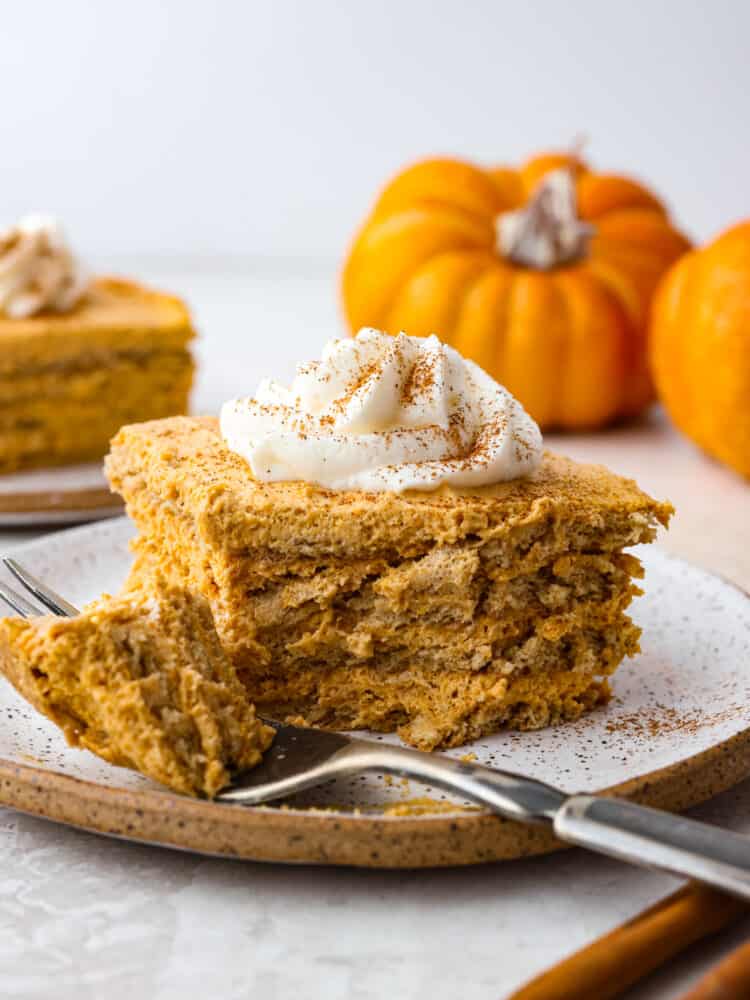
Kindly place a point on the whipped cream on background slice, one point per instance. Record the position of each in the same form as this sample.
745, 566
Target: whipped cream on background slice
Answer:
386, 414
38, 269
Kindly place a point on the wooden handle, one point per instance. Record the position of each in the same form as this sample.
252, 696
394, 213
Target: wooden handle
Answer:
609, 966
729, 980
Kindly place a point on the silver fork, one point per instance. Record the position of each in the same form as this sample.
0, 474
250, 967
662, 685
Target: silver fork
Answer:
301, 758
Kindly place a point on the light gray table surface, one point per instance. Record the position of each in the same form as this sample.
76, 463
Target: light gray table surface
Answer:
85, 917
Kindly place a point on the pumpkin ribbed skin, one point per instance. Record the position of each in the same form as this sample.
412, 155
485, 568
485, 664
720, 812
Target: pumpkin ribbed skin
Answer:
570, 343
700, 346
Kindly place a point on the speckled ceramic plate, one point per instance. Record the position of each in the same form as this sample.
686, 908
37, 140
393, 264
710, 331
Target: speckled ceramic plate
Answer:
71, 494
676, 732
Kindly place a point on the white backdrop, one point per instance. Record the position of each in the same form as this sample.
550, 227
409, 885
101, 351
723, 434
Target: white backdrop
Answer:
194, 128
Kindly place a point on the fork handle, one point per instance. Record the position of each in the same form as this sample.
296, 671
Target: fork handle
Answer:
656, 839
646, 837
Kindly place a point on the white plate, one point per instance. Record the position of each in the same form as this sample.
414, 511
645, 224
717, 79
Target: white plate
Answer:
687, 691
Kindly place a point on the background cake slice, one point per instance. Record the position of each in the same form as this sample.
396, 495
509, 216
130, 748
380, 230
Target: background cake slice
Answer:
442, 615
143, 682
69, 380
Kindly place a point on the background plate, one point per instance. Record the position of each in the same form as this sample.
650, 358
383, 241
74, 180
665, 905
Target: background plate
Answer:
676, 732
67, 495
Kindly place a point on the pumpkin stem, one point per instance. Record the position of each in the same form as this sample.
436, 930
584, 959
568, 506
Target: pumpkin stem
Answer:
546, 232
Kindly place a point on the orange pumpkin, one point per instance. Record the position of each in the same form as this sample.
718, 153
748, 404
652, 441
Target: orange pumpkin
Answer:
544, 285
700, 346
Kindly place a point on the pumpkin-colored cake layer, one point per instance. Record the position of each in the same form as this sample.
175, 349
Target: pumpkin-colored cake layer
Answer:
69, 381
143, 682
442, 615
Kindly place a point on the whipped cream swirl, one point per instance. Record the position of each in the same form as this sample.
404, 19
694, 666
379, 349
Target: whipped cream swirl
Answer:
384, 413
38, 270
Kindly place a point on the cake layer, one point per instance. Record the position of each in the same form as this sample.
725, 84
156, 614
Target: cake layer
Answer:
80, 439
451, 708
438, 612
113, 373
142, 684
77, 423
285, 527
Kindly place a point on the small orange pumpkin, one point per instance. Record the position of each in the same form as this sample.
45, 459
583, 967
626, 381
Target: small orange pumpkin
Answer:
700, 346
542, 275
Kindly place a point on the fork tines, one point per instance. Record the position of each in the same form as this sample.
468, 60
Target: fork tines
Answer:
45, 600
19, 604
